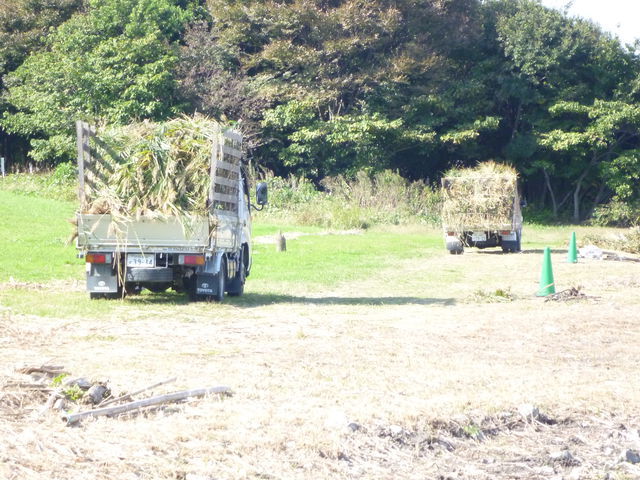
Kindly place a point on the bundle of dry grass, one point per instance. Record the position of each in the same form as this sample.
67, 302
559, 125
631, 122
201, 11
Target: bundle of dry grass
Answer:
152, 168
481, 198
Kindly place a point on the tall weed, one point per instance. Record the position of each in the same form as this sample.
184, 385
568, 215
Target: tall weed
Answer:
60, 184
358, 202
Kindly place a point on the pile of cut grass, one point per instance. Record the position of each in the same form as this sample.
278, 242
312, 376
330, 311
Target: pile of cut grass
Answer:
479, 198
152, 168
625, 241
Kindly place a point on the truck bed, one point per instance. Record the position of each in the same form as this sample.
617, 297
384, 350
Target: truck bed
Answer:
197, 234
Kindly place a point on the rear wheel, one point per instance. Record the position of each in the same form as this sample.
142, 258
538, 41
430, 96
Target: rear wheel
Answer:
189, 284
235, 286
456, 251
221, 278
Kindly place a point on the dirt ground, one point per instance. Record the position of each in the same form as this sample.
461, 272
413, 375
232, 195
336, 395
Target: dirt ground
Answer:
440, 368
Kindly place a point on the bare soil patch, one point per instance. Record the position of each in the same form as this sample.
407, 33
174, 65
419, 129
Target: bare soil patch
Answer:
417, 373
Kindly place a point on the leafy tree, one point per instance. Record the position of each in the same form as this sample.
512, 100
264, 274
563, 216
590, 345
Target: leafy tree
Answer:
24, 26
25, 23
322, 87
603, 138
115, 63
557, 61
211, 81
352, 66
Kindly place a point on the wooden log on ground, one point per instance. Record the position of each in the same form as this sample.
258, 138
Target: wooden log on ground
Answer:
617, 256
147, 402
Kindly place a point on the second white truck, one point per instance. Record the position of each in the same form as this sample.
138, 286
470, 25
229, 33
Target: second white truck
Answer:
481, 208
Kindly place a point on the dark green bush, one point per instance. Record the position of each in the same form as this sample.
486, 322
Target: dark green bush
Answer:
617, 214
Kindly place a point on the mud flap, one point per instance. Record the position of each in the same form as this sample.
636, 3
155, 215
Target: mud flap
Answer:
101, 278
453, 243
206, 284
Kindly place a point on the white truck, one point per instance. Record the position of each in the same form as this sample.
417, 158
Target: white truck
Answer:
205, 256
482, 209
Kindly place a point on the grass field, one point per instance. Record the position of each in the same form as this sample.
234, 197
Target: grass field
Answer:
34, 232
352, 355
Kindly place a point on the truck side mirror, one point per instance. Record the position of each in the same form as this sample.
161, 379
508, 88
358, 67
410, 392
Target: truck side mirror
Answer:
262, 194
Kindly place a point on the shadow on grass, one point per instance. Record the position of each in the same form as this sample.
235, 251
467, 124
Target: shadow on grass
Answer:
250, 300
164, 298
539, 251
258, 299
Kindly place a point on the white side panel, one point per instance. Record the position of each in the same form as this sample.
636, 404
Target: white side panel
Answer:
100, 232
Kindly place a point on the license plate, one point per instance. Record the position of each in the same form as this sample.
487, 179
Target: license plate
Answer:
479, 237
140, 260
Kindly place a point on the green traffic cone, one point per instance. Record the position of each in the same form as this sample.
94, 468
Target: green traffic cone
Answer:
547, 285
572, 256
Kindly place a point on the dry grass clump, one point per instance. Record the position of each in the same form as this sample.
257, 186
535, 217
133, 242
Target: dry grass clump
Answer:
152, 168
627, 241
479, 198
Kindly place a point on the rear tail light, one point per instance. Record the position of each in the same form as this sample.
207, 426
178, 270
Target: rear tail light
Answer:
191, 259
451, 234
505, 232
98, 258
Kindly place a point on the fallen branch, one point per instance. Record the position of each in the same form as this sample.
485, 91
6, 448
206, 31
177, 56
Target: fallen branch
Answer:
28, 386
168, 398
129, 396
572, 293
609, 255
48, 369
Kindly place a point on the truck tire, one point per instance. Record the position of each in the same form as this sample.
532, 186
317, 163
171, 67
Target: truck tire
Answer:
221, 278
190, 287
235, 286
456, 251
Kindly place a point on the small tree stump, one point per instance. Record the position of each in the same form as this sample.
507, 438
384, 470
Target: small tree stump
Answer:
281, 242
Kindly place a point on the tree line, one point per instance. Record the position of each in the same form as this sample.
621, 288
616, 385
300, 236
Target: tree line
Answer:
325, 87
